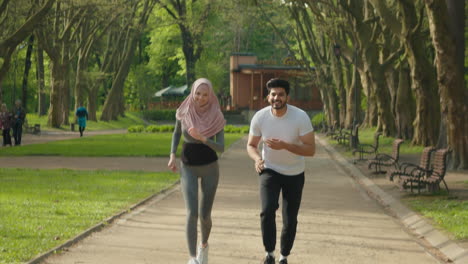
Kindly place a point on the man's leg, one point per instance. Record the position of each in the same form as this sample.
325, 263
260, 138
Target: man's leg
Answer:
20, 132
269, 194
15, 133
292, 194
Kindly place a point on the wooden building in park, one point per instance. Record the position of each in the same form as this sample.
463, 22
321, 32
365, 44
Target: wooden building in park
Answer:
249, 77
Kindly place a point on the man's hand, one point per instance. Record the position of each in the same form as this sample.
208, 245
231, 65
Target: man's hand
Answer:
275, 143
259, 165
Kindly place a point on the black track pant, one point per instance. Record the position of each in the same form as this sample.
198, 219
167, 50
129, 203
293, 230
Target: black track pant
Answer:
271, 185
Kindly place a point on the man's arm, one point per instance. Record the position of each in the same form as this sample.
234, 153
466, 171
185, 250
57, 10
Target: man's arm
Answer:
252, 150
306, 149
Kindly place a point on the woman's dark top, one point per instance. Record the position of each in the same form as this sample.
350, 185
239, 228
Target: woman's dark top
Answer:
195, 152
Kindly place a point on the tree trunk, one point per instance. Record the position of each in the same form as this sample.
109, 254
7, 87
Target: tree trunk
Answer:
113, 105
57, 93
370, 118
189, 53
404, 105
337, 74
92, 103
27, 67
453, 94
41, 102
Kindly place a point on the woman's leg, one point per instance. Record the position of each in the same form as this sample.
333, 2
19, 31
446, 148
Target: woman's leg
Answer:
189, 187
209, 183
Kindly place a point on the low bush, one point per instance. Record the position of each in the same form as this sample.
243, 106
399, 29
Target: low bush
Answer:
156, 115
317, 120
236, 129
136, 129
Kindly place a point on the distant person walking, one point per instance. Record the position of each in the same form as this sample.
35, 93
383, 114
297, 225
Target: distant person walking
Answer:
19, 116
288, 136
5, 124
201, 122
82, 116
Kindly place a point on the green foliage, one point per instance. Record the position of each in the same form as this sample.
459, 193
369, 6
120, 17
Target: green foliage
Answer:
159, 128
136, 129
156, 115
236, 129
41, 209
317, 120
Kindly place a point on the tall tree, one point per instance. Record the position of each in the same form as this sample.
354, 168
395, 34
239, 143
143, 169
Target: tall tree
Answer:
56, 39
408, 29
114, 104
11, 38
191, 16
446, 23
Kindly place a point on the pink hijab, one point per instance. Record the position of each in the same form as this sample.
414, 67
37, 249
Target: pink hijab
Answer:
208, 119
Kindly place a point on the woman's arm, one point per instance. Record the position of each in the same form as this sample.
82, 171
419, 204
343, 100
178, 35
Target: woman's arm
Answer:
217, 144
174, 144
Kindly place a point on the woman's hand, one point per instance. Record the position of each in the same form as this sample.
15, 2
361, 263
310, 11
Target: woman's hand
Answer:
196, 135
172, 163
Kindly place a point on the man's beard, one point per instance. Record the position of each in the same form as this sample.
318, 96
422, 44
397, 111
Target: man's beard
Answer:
281, 105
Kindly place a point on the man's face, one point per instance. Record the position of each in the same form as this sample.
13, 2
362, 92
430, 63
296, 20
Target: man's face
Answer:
277, 98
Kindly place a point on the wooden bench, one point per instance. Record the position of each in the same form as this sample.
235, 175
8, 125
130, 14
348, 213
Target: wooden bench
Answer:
431, 178
386, 160
407, 169
35, 129
367, 148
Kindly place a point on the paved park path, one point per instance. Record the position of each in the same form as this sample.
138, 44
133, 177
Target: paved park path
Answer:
338, 221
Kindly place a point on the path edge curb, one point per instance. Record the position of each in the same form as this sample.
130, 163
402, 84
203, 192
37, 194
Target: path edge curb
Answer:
105, 223
407, 217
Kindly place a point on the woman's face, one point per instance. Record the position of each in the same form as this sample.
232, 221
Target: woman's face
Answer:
201, 95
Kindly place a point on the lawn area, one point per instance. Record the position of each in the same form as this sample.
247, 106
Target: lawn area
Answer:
366, 136
444, 211
115, 145
451, 215
40, 209
130, 119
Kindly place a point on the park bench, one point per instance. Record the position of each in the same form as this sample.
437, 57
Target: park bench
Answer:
386, 160
428, 178
349, 138
343, 136
32, 129
406, 169
363, 149
332, 131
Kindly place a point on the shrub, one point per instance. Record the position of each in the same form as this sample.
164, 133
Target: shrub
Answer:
136, 129
159, 114
166, 128
236, 129
317, 120
152, 129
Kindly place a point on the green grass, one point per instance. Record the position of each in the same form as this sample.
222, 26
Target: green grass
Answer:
40, 209
366, 136
130, 119
115, 145
451, 215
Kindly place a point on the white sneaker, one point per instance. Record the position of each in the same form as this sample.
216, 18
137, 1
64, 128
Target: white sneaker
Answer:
202, 256
193, 261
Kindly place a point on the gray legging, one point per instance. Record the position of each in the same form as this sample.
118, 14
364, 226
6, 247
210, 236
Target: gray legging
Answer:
209, 175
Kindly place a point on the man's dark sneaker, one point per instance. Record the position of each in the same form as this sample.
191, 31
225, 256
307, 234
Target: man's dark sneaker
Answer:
283, 261
269, 260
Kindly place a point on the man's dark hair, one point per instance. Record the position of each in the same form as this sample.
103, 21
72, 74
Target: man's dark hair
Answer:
278, 83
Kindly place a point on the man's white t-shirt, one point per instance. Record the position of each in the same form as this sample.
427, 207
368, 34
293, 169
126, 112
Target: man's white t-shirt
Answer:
289, 127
